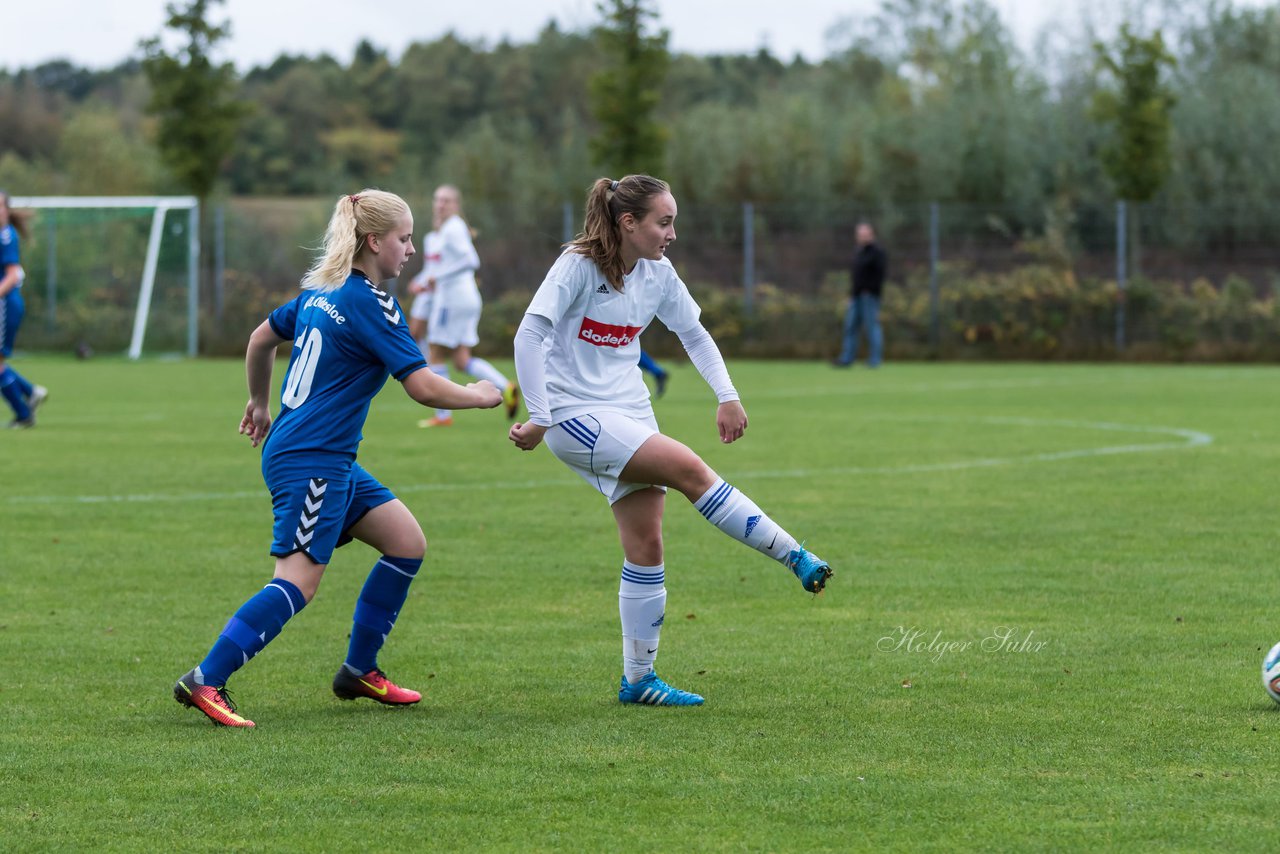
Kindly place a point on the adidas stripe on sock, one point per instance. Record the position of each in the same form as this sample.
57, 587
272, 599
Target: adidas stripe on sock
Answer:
642, 605
739, 517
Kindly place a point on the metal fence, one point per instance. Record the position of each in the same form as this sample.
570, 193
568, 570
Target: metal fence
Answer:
83, 281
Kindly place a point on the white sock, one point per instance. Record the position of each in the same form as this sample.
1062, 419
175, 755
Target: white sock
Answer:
642, 604
441, 371
739, 517
482, 370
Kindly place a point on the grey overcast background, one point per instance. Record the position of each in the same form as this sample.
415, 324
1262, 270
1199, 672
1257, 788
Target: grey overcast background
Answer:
103, 33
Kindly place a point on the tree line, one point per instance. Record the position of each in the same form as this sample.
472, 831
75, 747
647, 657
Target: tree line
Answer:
927, 100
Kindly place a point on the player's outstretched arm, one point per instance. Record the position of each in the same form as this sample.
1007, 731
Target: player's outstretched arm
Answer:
731, 420
526, 436
259, 358
531, 371
431, 390
422, 283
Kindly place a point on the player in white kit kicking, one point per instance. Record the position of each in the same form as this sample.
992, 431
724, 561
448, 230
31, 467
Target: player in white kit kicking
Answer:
587, 399
447, 303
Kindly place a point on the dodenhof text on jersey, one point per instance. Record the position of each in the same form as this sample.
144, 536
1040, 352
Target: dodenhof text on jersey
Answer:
606, 334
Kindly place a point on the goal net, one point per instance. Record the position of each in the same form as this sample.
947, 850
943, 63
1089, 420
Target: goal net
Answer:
111, 273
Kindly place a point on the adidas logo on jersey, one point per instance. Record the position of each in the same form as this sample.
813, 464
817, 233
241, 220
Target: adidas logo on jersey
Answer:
603, 289
752, 521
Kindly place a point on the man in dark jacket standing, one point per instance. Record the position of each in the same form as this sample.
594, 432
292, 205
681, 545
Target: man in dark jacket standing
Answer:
868, 271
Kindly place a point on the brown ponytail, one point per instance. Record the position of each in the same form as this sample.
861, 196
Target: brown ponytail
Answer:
20, 220
601, 238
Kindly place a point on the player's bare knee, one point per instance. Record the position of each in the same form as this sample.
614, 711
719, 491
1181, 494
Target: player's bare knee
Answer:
644, 548
408, 544
695, 478
300, 570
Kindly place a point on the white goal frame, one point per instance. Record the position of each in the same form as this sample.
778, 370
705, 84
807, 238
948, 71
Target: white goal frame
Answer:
161, 205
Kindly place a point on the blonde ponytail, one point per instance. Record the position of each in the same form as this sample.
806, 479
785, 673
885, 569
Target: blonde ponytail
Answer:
354, 218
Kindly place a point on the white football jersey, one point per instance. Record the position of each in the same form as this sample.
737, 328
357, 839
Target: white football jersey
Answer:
450, 256
592, 354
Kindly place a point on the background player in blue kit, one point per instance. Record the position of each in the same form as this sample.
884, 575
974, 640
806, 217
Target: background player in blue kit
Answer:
348, 335
660, 374
23, 397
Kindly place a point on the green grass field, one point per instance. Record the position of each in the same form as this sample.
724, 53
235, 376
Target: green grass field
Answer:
1079, 557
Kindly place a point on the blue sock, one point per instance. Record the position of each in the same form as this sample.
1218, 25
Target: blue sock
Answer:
12, 391
648, 364
24, 385
254, 626
377, 608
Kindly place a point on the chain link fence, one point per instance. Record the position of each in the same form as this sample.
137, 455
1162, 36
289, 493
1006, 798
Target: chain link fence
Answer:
1099, 282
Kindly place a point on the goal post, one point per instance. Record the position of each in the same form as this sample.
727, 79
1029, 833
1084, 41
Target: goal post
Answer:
160, 207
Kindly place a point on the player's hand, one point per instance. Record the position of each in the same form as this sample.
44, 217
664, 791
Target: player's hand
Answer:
487, 394
526, 436
256, 422
731, 420
417, 287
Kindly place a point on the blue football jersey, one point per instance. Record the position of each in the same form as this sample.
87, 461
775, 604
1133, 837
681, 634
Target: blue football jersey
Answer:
9, 252
345, 344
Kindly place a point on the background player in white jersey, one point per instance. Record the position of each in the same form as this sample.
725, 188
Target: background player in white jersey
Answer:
447, 302
348, 335
587, 399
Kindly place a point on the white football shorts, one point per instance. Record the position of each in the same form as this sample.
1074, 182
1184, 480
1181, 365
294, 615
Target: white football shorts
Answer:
421, 307
598, 446
454, 326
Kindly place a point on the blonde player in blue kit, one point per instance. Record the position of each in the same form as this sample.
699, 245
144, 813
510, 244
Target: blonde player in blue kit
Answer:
348, 335
587, 400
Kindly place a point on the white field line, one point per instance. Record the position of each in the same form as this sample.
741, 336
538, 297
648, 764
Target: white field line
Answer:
849, 390
1188, 439
401, 403
1185, 439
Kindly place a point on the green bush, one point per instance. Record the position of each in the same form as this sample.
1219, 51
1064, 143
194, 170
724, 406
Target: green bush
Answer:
1035, 312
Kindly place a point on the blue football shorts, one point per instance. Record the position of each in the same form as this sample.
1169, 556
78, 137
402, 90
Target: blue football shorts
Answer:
315, 515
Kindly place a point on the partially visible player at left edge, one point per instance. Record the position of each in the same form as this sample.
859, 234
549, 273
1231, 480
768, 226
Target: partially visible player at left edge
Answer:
23, 397
348, 336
